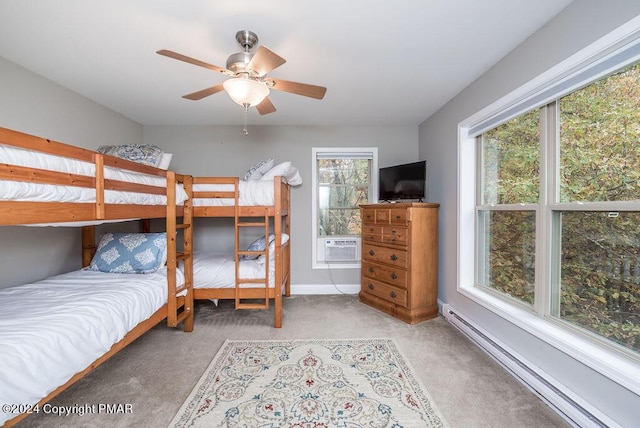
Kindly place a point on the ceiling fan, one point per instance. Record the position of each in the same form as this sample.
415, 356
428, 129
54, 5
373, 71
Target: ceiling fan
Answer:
249, 85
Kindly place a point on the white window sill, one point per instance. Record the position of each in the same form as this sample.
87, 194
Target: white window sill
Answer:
323, 265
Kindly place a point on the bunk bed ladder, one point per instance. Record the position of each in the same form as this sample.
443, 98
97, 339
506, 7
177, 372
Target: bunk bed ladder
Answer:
180, 297
239, 224
185, 257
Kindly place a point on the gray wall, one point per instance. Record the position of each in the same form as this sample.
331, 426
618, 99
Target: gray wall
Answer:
37, 106
226, 151
34, 105
580, 24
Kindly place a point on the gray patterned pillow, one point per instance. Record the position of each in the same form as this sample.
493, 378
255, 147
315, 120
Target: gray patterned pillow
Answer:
258, 170
142, 153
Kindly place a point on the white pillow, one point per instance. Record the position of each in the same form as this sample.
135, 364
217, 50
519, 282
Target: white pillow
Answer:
293, 177
165, 160
279, 169
286, 170
257, 170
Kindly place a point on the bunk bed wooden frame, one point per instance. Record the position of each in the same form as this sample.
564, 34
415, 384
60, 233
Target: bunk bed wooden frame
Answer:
273, 219
179, 306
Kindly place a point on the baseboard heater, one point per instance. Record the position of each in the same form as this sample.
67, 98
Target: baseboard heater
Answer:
573, 409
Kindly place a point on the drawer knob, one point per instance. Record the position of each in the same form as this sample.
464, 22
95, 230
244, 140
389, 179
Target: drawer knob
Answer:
372, 253
393, 275
392, 294
371, 270
370, 286
394, 257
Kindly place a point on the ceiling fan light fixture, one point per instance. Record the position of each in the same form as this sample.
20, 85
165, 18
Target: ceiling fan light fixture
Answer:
245, 92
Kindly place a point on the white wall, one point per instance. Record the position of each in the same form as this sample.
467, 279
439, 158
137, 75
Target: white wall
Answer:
34, 105
580, 24
226, 151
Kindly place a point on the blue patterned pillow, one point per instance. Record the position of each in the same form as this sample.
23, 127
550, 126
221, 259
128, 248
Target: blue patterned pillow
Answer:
257, 245
130, 253
142, 153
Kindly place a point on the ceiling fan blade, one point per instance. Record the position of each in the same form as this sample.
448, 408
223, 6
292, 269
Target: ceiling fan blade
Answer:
265, 60
190, 60
265, 107
304, 89
204, 93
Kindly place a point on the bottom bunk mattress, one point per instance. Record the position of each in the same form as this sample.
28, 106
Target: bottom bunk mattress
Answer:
52, 329
214, 270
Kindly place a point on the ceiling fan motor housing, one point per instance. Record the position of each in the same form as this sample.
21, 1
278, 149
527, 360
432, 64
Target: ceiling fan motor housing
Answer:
238, 62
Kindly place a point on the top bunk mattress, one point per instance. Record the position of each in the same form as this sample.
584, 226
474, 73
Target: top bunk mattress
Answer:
250, 193
52, 329
36, 192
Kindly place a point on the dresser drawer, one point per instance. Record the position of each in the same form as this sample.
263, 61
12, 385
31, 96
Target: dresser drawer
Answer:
398, 216
382, 216
384, 291
395, 235
372, 238
368, 215
384, 255
390, 274
371, 233
370, 229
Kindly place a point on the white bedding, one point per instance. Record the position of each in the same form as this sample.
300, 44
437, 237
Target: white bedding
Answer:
24, 191
53, 329
250, 192
211, 270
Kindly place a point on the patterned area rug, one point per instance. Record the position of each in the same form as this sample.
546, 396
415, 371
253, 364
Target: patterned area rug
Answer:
309, 384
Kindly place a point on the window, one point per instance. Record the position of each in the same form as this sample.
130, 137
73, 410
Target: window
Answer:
342, 180
595, 247
549, 186
509, 196
597, 283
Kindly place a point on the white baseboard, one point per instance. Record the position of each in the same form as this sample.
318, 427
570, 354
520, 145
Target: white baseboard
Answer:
565, 402
325, 288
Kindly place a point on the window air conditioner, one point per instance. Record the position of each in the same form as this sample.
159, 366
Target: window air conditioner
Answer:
341, 250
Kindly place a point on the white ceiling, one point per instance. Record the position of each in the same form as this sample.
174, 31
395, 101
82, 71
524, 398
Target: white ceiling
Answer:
383, 62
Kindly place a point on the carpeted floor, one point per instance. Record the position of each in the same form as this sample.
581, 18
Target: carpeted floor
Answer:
152, 377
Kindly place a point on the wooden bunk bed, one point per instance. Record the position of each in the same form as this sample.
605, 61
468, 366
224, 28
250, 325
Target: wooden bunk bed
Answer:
222, 197
108, 185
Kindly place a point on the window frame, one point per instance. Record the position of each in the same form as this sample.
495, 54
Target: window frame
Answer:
614, 51
373, 197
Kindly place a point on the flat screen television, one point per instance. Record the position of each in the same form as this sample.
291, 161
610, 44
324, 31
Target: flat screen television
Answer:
402, 182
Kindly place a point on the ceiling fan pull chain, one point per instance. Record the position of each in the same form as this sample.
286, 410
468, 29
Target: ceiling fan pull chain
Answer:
246, 110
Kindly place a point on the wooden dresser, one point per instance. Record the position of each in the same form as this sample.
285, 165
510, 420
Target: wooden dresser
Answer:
400, 259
